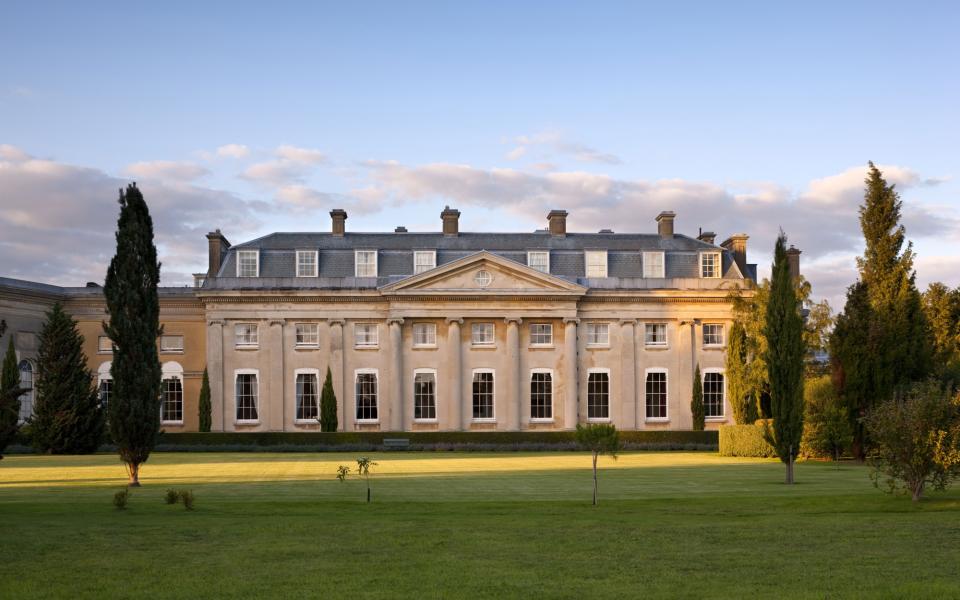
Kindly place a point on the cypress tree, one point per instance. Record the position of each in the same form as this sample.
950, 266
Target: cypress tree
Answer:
785, 352
203, 405
9, 396
67, 418
134, 309
696, 403
328, 405
852, 362
742, 397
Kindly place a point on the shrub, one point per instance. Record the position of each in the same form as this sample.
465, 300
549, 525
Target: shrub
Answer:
171, 497
186, 496
745, 440
120, 499
826, 424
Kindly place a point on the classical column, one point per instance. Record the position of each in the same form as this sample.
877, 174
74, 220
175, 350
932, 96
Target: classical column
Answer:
337, 370
277, 399
640, 382
454, 381
215, 374
628, 377
513, 382
396, 391
571, 376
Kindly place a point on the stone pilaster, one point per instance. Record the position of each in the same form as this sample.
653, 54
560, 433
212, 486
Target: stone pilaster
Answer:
276, 409
628, 366
513, 385
337, 370
454, 381
571, 375
216, 375
396, 378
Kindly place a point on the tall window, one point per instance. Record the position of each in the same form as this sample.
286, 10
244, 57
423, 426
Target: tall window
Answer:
713, 393
541, 334
710, 264
248, 263
424, 334
598, 334
171, 407
656, 394
307, 335
541, 396
424, 260
483, 395
366, 263
246, 394
306, 263
171, 343
713, 334
104, 383
424, 396
26, 382
653, 264
366, 396
598, 395
104, 345
307, 396
539, 260
596, 263
655, 334
481, 334
366, 335
246, 335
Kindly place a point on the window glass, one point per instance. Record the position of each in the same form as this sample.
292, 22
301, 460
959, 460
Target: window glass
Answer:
171, 343
481, 334
246, 334
656, 395
424, 260
424, 397
653, 264
366, 335
713, 334
483, 395
598, 334
366, 263
541, 334
248, 263
713, 394
308, 408
655, 334
598, 395
171, 407
366, 395
539, 260
541, 396
246, 394
307, 334
596, 263
306, 263
710, 264
424, 334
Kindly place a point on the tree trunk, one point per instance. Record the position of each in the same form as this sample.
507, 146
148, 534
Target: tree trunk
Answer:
917, 491
133, 470
368, 491
594, 478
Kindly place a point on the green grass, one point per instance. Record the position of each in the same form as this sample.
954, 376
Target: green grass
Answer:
689, 525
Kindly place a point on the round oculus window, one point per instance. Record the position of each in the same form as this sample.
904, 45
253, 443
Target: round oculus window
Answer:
483, 278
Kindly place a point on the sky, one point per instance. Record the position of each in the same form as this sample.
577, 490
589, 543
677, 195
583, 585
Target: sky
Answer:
261, 117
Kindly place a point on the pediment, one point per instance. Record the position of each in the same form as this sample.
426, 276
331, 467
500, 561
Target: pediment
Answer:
466, 275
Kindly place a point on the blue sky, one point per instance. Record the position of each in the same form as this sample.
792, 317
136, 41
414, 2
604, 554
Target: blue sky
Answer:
748, 116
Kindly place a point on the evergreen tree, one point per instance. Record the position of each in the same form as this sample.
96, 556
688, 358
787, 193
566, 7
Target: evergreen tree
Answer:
9, 396
67, 418
852, 362
328, 405
785, 353
742, 397
696, 403
203, 405
134, 309
941, 307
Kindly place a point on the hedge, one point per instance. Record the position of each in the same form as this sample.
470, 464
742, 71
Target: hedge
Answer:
745, 440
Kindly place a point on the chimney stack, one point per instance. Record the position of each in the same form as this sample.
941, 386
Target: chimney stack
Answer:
707, 236
217, 246
737, 245
665, 224
558, 222
339, 218
451, 221
793, 260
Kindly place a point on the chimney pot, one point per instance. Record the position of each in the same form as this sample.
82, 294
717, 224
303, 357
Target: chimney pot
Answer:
665, 224
400, 229
707, 236
451, 221
217, 246
737, 245
338, 216
558, 222
793, 260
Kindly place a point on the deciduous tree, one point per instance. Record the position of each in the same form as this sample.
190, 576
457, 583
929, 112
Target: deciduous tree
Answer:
598, 438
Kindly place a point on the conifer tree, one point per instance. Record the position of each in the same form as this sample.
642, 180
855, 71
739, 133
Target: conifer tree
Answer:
328, 405
742, 397
67, 417
134, 309
696, 403
941, 307
9, 396
852, 361
785, 353
203, 405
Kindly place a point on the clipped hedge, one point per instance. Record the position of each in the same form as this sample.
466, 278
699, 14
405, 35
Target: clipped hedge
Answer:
745, 440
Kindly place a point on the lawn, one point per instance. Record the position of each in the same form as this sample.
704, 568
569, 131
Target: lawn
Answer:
451, 525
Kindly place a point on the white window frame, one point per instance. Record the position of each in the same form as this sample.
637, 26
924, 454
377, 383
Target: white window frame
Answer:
647, 372
596, 324
236, 374
718, 265
586, 389
296, 374
296, 334
436, 395
586, 263
648, 271
100, 349
433, 261
666, 335
493, 402
553, 386
256, 256
546, 253
548, 344
493, 335
376, 335
316, 263
173, 370
430, 327
103, 374
723, 335
246, 345
356, 375
27, 398
356, 262
723, 404
174, 350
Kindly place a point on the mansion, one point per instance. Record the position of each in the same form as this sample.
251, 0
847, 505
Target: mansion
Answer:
444, 330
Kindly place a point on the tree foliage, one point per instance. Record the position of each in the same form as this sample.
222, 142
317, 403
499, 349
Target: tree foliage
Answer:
697, 410
741, 394
203, 405
67, 416
783, 331
10, 391
827, 431
941, 308
134, 309
328, 405
598, 438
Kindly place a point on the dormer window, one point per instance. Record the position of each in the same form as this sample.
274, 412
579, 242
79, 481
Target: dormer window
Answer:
306, 263
424, 260
710, 265
539, 260
653, 264
596, 261
248, 263
366, 263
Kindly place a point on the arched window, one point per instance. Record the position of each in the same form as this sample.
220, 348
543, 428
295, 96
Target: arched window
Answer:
104, 383
26, 382
171, 406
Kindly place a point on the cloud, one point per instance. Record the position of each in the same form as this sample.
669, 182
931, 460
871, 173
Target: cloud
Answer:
301, 155
166, 169
233, 151
291, 166
13, 154
554, 141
